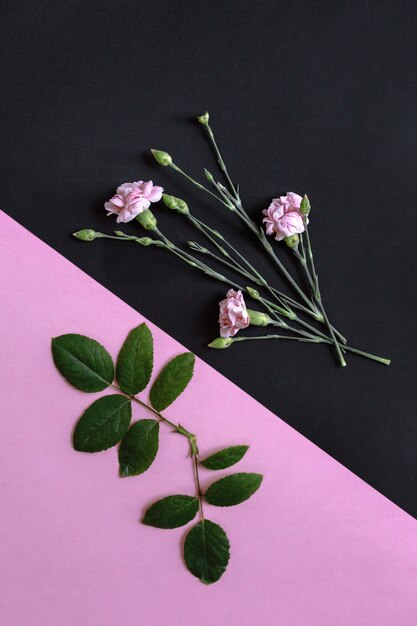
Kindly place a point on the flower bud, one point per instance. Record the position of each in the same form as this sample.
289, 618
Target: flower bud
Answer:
147, 219
256, 318
182, 206
209, 176
196, 246
253, 293
292, 241
177, 204
204, 119
87, 234
305, 206
161, 157
169, 201
220, 343
145, 241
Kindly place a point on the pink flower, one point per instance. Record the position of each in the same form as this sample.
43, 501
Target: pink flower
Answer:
131, 199
283, 216
233, 314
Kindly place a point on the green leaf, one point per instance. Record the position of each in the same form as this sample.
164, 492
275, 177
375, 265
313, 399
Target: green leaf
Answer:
103, 424
233, 489
224, 458
138, 448
207, 551
83, 362
171, 512
172, 381
135, 361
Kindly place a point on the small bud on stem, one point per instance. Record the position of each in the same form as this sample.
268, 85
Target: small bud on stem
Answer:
253, 293
161, 157
145, 241
204, 119
305, 206
87, 234
220, 343
177, 204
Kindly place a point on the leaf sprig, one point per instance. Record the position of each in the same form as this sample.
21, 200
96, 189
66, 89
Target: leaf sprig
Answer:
89, 367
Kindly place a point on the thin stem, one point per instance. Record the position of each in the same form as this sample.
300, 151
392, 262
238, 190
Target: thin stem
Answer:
367, 355
198, 486
220, 159
283, 299
302, 339
318, 299
191, 260
197, 184
303, 260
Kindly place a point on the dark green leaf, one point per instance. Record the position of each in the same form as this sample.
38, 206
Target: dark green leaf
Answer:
172, 381
171, 512
103, 424
138, 448
135, 361
233, 489
206, 551
83, 362
224, 458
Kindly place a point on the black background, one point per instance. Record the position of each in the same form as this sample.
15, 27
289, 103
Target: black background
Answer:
314, 97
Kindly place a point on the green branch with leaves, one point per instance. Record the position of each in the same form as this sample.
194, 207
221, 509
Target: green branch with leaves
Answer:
107, 422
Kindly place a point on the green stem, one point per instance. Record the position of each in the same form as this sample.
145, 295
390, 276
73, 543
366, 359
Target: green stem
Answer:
191, 260
302, 339
303, 260
367, 355
282, 299
197, 184
318, 299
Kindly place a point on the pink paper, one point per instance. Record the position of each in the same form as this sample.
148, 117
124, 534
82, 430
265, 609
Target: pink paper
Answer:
315, 546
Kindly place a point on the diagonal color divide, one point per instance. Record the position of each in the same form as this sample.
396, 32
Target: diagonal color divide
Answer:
316, 546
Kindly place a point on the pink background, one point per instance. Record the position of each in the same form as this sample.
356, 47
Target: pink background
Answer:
315, 546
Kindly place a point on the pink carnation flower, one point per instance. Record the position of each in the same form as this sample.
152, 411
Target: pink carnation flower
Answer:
283, 217
233, 314
131, 199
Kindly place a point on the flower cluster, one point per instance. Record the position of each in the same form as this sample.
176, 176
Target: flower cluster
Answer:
286, 219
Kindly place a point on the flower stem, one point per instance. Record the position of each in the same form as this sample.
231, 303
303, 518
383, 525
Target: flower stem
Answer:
367, 355
191, 260
317, 296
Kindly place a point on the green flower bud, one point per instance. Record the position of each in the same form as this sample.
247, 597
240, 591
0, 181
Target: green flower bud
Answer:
177, 204
161, 157
253, 293
220, 343
258, 319
204, 119
293, 241
87, 234
196, 246
209, 176
182, 206
305, 206
145, 241
147, 219
169, 201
